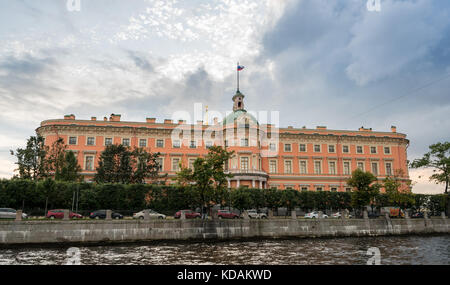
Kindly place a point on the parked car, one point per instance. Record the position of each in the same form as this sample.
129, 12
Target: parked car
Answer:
337, 215
101, 214
8, 213
152, 214
225, 214
253, 214
315, 215
188, 213
59, 214
373, 215
418, 215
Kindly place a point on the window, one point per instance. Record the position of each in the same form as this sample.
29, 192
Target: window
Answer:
193, 144
360, 165
345, 149
331, 149
304, 189
244, 142
388, 168
348, 189
209, 144
72, 140
346, 168
317, 167
317, 148
159, 143
289, 187
272, 147
108, 141
333, 189
90, 141
142, 143
175, 164
273, 166
375, 168
160, 162
332, 167
319, 189
244, 163
387, 150
191, 163
126, 142
176, 144
303, 168
373, 149
302, 147
287, 147
359, 149
288, 166
89, 163
226, 143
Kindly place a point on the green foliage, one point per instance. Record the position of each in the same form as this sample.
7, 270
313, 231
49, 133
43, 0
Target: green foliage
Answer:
119, 164
31, 160
365, 189
438, 158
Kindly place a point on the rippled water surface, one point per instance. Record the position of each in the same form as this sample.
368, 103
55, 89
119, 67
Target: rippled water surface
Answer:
394, 250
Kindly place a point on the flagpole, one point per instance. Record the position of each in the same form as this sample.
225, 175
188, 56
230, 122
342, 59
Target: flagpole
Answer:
237, 70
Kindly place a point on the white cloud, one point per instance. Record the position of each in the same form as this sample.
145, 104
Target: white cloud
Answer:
422, 184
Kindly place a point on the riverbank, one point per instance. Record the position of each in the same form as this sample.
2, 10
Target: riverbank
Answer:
111, 231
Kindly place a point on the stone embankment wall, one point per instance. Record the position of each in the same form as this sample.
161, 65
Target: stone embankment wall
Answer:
98, 231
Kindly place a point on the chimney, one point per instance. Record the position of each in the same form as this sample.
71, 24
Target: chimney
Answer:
93, 118
180, 122
362, 129
151, 120
290, 127
167, 121
321, 127
105, 119
393, 129
69, 117
114, 118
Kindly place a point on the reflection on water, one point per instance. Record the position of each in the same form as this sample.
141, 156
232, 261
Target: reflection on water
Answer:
394, 250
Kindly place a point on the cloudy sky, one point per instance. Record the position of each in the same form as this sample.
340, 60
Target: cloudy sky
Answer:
317, 62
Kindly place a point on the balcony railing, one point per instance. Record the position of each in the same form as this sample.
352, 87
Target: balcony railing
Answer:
246, 171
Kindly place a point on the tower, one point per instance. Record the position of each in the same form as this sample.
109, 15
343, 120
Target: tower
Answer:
238, 100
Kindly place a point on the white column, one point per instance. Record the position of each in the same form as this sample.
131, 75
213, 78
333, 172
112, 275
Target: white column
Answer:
253, 183
229, 183
238, 183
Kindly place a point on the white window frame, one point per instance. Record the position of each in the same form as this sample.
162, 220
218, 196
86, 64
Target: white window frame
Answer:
290, 146
320, 148
87, 139
378, 168
385, 168
363, 165
178, 164
384, 150
146, 142
376, 149
306, 147
85, 162
76, 140
248, 163
179, 144
156, 143
329, 167
334, 148
348, 148
362, 149
291, 165
300, 166
349, 167
129, 141
162, 163
276, 166
320, 168
104, 141
193, 146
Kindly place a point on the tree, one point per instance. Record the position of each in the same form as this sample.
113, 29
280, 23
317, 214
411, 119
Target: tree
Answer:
56, 157
208, 175
31, 161
396, 197
70, 170
118, 164
366, 189
438, 158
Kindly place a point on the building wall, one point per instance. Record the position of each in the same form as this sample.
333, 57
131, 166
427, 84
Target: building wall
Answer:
258, 172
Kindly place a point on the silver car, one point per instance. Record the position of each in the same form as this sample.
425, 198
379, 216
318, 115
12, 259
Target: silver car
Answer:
152, 214
8, 213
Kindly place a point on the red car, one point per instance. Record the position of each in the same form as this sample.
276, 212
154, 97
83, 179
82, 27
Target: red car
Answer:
59, 214
225, 214
189, 214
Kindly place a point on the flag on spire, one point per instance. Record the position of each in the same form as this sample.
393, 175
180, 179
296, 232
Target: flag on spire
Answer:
240, 67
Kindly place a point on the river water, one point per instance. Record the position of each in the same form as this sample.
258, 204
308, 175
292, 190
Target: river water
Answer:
393, 250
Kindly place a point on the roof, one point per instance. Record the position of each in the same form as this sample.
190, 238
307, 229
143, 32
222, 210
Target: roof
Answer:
240, 115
